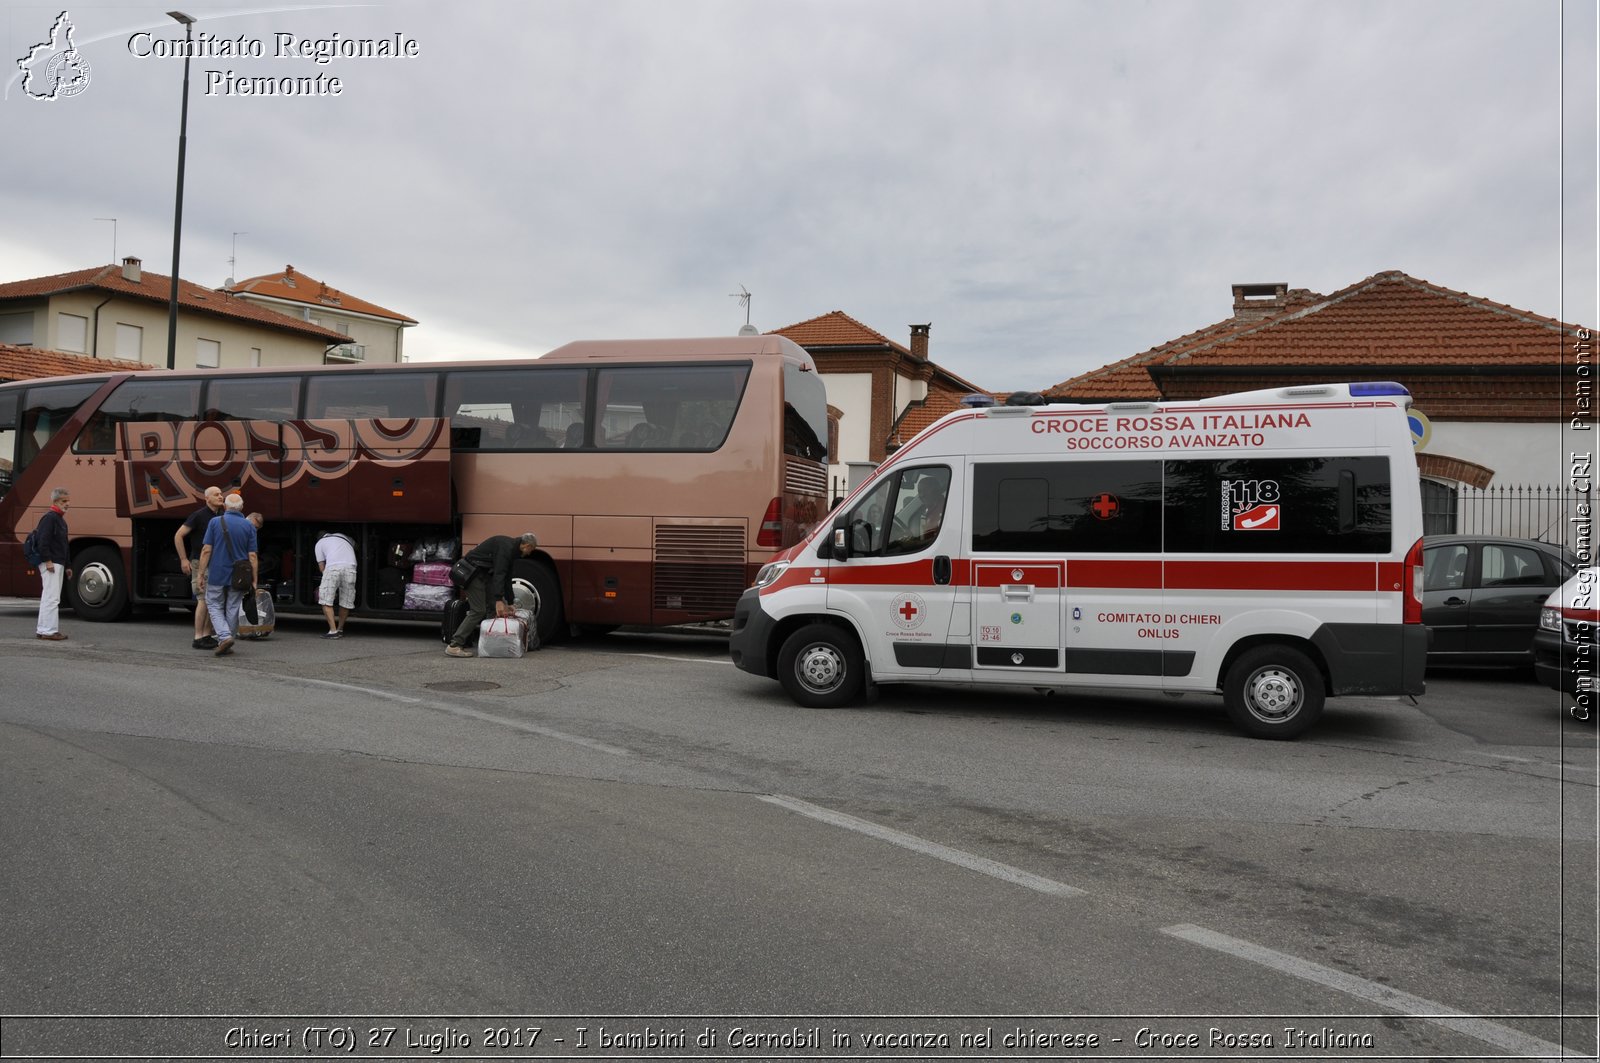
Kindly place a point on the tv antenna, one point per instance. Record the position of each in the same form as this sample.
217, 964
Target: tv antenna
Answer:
743, 295
113, 222
234, 256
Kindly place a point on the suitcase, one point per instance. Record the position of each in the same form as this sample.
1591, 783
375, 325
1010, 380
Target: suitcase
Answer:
170, 585
454, 613
530, 629
502, 637
391, 592
431, 574
426, 596
266, 618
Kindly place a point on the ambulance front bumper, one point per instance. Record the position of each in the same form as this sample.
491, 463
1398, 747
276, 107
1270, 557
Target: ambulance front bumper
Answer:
752, 634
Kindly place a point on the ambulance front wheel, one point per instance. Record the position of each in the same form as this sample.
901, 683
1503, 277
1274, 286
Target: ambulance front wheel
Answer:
822, 667
1273, 692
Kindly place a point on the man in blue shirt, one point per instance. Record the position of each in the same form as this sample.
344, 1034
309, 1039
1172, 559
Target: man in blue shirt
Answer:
229, 538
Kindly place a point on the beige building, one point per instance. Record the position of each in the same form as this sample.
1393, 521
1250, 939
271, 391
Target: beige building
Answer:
122, 312
376, 334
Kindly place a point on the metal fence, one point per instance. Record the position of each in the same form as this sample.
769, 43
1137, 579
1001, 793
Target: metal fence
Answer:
1555, 514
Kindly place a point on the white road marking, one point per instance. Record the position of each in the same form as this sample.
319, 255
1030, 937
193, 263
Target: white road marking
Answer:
679, 660
474, 714
1005, 872
1521, 1044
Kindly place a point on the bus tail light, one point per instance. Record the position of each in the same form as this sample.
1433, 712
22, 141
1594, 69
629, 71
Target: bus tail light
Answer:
1412, 612
771, 534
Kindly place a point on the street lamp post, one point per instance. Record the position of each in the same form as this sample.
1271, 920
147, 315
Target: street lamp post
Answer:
177, 211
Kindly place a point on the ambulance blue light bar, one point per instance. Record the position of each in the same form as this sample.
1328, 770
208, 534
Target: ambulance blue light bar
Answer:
977, 401
1377, 387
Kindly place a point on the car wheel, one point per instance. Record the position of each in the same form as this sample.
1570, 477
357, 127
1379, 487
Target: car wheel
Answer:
1273, 692
98, 590
822, 667
538, 582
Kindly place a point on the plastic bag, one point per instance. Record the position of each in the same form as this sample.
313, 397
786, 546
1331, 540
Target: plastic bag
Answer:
502, 636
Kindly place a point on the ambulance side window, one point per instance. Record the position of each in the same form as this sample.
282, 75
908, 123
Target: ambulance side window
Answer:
868, 531
900, 515
919, 503
1067, 506
1279, 505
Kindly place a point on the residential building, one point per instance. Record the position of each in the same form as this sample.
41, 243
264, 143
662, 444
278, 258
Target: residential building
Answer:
1494, 385
122, 312
880, 393
376, 334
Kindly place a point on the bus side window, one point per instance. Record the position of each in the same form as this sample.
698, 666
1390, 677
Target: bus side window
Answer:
512, 409
8, 439
45, 411
139, 399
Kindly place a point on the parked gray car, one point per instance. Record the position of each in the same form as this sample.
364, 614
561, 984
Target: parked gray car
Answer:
1481, 596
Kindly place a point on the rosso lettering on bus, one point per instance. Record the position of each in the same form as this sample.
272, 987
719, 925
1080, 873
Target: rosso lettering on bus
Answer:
165, 463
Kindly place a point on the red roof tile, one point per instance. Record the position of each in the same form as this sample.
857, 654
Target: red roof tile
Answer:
836, 329
32, 363
297, 287
920, 415
1130, 378
157, 288
1385, 324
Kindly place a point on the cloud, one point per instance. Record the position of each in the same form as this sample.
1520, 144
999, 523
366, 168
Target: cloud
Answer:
1054, 185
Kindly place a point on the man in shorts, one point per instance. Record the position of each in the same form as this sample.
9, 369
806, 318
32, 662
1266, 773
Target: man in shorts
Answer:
189, 540
336, 559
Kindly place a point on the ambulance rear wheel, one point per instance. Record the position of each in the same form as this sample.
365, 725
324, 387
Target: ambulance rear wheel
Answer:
1273, 692
822, 667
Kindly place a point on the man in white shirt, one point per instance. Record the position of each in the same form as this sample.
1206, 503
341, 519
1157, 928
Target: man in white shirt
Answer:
336, 559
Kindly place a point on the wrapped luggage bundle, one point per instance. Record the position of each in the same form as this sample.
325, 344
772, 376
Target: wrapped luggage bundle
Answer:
502, 636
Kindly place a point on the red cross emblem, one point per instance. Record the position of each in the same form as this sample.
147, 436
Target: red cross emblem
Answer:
1106, 506
907, 610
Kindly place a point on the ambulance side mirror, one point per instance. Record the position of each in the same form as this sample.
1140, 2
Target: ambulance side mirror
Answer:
841, 545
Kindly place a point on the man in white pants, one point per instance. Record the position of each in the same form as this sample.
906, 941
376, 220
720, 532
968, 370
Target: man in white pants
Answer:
51, 536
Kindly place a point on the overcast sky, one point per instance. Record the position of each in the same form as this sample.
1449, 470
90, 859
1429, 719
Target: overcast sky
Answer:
1054, 185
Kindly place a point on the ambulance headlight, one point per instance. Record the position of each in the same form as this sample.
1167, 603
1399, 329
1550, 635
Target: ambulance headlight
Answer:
769, 573
1550, 619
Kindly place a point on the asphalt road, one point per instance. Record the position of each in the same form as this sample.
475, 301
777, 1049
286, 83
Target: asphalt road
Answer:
630, 827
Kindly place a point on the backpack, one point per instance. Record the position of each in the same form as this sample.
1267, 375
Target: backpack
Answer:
30, 549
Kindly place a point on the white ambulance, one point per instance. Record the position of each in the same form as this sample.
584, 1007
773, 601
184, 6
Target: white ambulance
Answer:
1267, 546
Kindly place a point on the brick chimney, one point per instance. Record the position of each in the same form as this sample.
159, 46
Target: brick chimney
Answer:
919, 341
131, 271
1256, 302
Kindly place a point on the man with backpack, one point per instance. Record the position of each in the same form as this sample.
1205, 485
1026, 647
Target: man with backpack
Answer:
230, 540
50, 541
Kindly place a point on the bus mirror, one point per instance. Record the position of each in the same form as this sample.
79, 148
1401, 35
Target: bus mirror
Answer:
841, 548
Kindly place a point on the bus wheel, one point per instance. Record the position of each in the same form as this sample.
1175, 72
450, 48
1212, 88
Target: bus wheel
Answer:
822, 667
548, 616
98, 590
1273, 692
